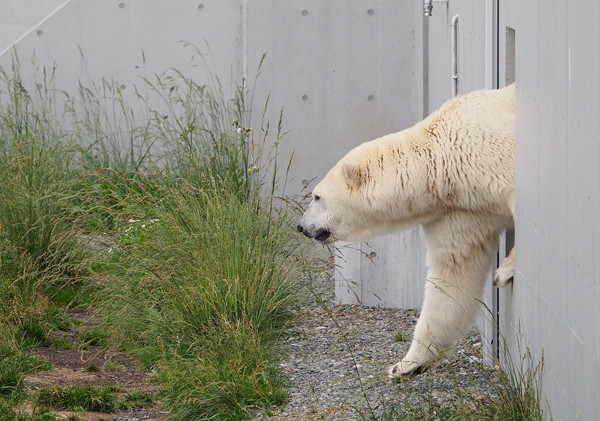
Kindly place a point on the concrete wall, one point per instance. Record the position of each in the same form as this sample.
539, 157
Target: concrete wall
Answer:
556, 291
344, 73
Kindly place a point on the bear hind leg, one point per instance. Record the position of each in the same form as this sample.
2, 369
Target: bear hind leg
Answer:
506, 271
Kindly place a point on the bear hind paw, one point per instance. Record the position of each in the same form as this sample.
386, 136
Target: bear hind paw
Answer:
504, 275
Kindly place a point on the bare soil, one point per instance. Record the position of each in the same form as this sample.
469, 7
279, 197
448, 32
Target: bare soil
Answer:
95, 366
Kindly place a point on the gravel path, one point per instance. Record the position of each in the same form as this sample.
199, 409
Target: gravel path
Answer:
336, 360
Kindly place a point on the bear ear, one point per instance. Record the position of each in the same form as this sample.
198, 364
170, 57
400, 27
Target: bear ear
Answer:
352, 174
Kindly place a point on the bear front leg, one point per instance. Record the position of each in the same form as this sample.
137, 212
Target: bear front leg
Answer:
460, 247
446, 316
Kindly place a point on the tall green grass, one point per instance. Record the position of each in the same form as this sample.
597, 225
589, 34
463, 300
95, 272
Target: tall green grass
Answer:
205, 265
36, 227
169, 215
39, 248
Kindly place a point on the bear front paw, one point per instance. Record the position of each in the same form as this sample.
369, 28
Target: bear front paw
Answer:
405, 369
504, 275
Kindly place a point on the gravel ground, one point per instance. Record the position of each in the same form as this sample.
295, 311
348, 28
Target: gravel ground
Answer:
336, 362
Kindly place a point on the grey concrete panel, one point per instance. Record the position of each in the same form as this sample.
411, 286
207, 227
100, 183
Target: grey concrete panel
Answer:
126, 40
18, 18
440, 82
345, 73
556, 289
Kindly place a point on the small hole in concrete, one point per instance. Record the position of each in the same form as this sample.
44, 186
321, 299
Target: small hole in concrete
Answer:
372, 255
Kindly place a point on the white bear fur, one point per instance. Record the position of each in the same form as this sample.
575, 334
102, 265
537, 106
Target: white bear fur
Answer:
454, 173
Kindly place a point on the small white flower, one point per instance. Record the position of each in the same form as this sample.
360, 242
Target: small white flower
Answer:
131, 221
110, 250
240, 130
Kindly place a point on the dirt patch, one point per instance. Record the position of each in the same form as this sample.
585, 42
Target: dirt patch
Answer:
95, 366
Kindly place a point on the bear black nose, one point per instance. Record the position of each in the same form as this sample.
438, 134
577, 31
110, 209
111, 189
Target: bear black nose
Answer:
299, 228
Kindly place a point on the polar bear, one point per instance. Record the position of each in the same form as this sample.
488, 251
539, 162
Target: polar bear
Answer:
454, 173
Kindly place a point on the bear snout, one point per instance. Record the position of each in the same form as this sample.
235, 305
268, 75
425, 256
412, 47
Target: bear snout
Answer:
320, 234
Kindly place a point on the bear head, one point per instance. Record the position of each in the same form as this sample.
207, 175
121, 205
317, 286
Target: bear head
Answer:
380, 186
333, 214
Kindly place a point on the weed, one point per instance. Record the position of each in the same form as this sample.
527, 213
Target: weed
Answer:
13, 365
33, 333
93, 336
148, 355
137, 399
80, 397
206, 290
110, 366
59, 320
202, 259
11, 381
91, 398
402, 337
228, 385
62, 343
9, 413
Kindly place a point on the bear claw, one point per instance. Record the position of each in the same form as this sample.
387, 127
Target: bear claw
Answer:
503, 276
396, 372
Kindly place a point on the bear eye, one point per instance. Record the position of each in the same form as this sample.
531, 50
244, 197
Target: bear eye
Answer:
316, 197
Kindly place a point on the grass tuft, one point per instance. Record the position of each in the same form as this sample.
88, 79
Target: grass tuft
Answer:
93, 336
80, 398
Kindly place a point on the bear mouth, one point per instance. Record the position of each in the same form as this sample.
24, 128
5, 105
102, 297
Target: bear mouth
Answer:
322, 235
